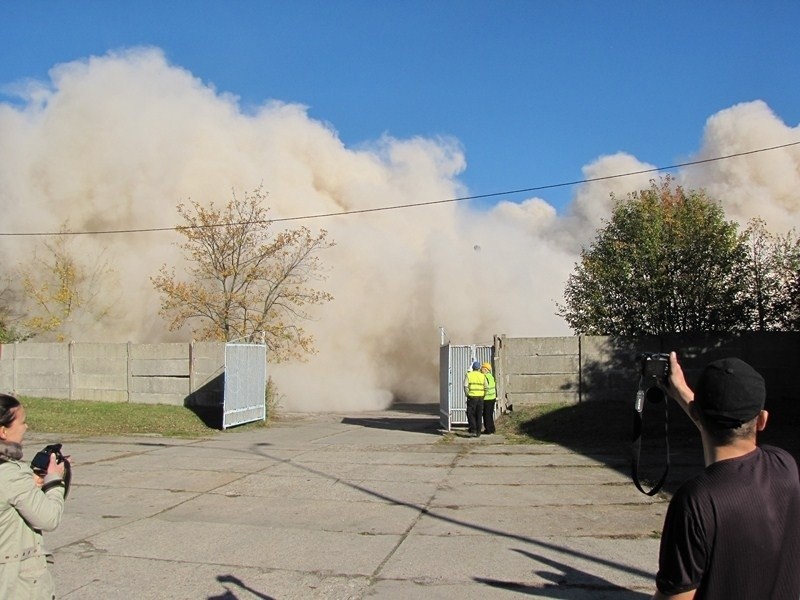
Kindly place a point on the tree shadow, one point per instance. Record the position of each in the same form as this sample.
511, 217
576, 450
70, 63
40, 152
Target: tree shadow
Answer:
603, 431
544, 545
602, 423
228, 593
566, 582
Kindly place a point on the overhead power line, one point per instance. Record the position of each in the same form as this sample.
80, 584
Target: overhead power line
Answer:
417, 204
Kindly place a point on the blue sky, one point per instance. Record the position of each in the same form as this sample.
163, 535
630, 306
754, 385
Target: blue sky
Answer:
535, 94
532, 90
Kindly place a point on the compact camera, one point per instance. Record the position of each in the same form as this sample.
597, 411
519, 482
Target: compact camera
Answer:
41, 461
654, 372
653, 376
655, 366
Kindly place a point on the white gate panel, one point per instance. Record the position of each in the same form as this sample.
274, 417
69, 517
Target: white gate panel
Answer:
454, 362
244, 400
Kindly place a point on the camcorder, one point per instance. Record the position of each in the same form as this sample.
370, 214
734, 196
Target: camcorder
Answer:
41, 462
653, 377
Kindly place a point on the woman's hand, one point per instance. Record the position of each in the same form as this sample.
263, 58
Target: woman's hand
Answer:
55, 467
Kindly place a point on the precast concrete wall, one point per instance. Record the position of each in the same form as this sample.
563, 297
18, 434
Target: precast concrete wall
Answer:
538, 370
43, 369
528, 370
590, 368
98, 372
177, 373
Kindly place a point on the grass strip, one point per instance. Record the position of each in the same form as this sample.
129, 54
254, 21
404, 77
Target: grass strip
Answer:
95, 418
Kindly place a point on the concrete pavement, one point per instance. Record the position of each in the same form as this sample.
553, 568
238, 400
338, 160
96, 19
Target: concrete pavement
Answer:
374, 505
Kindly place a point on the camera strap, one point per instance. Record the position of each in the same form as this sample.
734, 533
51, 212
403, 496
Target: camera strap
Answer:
638, 425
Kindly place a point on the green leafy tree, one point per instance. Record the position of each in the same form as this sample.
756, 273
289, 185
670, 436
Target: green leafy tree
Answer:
243, 281
775, 278
666, 261
765, 285
787, 307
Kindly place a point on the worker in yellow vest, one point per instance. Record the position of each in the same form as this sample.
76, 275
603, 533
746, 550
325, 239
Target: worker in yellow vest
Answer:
475, 386
489, 400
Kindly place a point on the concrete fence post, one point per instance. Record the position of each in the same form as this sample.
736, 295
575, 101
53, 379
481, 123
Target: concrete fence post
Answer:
499, 373
580, 369
14, 368
71, 367
129, 360
192, 382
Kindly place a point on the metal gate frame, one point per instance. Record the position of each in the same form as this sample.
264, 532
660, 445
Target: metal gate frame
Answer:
454, 362
244, 399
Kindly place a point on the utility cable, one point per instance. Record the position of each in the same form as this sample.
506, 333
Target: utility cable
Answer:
413, 205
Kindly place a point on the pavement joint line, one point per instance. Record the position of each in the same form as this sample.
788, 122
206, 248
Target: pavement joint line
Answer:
421, 511
130, 454
573, 562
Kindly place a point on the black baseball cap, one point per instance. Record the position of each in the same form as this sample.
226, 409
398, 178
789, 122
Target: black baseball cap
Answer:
729, 393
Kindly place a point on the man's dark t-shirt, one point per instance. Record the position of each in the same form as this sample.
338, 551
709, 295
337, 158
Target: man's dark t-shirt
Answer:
734, 531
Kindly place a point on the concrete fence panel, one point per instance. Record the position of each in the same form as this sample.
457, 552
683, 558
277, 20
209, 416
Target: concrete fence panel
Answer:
40, 369
603, 368
540, 370
544, 346
610, 366
6, 366
159, 373
99, 372
208, 374
160, 360
528, 370
540, 365
172, 373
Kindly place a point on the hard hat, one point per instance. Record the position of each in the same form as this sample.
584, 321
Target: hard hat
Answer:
476, 366
486, 366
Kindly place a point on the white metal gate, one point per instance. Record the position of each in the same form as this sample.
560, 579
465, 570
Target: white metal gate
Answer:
454, 362
245, 384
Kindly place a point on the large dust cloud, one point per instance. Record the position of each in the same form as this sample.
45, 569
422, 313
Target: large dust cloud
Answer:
115, 142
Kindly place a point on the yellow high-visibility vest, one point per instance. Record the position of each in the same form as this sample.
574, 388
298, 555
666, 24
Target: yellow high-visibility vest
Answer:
476, 384
491, 392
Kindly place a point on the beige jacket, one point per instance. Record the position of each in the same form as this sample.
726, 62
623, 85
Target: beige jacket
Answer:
25, 511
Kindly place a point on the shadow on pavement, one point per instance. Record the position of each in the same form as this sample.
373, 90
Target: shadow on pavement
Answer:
603, 431
601, 425
496, 532
396, 424
417, 409
560, 586
229, 595
415, 423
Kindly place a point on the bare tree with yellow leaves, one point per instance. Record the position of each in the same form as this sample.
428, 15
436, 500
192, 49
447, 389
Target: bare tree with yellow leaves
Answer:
241, 279
65, 292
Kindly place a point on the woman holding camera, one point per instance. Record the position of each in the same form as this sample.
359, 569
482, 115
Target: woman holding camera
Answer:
29, 504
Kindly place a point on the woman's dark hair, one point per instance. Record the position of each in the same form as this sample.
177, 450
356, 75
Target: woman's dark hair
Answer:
7, 412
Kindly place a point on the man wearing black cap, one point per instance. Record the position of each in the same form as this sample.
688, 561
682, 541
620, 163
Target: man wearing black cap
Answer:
734, 530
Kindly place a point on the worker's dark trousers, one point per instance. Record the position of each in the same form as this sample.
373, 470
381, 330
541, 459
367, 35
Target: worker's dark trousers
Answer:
488, 416
474, 413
